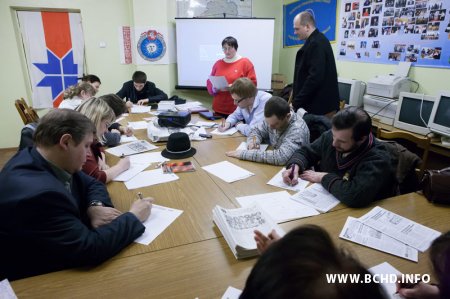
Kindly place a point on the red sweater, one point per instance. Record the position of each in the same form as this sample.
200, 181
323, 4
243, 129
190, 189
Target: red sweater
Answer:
223, 102
90, 167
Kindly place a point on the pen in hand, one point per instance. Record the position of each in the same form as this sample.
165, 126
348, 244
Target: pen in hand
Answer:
291, 175
139, 195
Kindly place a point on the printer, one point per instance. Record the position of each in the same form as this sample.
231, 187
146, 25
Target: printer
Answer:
381, 109
388, 86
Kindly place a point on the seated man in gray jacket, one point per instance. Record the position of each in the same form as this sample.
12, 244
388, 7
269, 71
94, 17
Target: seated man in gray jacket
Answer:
282, 129
354, 166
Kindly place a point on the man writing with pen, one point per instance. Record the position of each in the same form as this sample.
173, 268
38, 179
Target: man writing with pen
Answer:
282, 129
349, 161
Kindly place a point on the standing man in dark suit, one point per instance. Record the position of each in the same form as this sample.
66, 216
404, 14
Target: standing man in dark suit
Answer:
315, 86
52, 215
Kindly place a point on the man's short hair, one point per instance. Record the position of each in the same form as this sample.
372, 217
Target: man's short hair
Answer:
244, 88
306, 18
58, 122
353, 118
276, 106
297, 266
139, 77
230, 41
116, 103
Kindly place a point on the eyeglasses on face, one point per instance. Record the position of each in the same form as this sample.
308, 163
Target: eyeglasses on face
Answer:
239, 100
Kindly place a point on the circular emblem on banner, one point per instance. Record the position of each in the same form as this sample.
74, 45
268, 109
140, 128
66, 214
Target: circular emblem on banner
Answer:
151, 45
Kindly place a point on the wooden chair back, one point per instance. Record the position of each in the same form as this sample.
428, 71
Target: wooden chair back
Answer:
27, 113
422, 142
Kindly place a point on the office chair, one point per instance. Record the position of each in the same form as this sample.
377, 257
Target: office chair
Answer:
28, 114
422, 142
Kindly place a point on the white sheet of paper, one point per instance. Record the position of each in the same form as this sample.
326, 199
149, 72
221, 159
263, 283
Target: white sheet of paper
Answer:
138, 125
149, 178
316, 197
219, 82
206, 124
228, 171
232, 293
125, 138
154, 157
6, 291
243, 147
188, 105
357, 232
166, 105
277, 181
131, 172
160, 218
228, 132
278, 205
140, 109
120, 118
131, 148
387, 269
398, 227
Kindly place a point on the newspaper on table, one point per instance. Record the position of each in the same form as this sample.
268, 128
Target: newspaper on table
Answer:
355, 231
398, 227
238, 225
131, 148
316, 197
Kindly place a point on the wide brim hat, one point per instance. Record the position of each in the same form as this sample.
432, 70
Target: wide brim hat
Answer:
178, 147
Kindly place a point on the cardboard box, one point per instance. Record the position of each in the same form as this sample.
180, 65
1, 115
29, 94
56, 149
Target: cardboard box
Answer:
278, 81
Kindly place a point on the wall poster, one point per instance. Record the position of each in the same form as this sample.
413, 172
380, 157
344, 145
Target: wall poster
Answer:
389, 31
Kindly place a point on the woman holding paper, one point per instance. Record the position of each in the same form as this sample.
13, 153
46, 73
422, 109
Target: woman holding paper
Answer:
102, 115
232, 67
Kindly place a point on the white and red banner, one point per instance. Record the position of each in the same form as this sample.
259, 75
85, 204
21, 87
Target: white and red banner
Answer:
54, 48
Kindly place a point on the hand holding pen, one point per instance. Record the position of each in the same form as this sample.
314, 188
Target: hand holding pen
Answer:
224, 126
142, 207
290, 176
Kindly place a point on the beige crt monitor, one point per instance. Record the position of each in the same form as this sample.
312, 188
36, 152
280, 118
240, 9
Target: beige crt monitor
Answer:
413, 112
440, 115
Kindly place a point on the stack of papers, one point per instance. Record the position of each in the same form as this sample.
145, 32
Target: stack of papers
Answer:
140, 109
316, 197
228, 132
166, 105
238, 226
218, 82
389, 232
277, 181
228, 172
278, 205
131, 148
160, 218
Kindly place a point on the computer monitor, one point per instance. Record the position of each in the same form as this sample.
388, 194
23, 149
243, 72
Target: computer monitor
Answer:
413, 112
440, 115
351, 91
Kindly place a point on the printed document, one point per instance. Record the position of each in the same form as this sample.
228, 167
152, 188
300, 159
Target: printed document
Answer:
228, 132
277, 181
131, 172
154, 157
407, 231
278, 205
316, 197
131, 148
219, 82
140, 109
389, 287
160, 218
228, 171
138, 125
243, 147
357, 232
149, 178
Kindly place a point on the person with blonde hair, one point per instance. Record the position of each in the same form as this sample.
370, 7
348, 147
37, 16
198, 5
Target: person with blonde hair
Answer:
102, 115
76, 94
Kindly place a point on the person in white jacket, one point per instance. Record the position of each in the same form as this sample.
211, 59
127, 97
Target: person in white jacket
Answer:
250, 106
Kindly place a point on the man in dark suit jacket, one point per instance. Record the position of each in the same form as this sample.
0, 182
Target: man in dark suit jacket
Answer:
52, 215
140, 91
315, 86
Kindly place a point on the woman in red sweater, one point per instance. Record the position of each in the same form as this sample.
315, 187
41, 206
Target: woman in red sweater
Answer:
232, 67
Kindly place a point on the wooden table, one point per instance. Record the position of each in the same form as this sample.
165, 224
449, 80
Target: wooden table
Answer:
190, 258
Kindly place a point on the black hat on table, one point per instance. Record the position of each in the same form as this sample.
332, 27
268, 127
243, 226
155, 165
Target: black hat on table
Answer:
178, 147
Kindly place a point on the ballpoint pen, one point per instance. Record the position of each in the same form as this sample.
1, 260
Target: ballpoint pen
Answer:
291, 175
139, 195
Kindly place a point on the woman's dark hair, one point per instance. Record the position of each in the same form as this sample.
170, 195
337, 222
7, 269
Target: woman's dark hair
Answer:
90, 78
230, 41
115, 102
297, 266
440, 258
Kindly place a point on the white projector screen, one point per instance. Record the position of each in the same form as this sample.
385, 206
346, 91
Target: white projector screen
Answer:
199, 46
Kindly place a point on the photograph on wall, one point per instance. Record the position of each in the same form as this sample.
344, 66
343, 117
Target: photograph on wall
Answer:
417, 31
